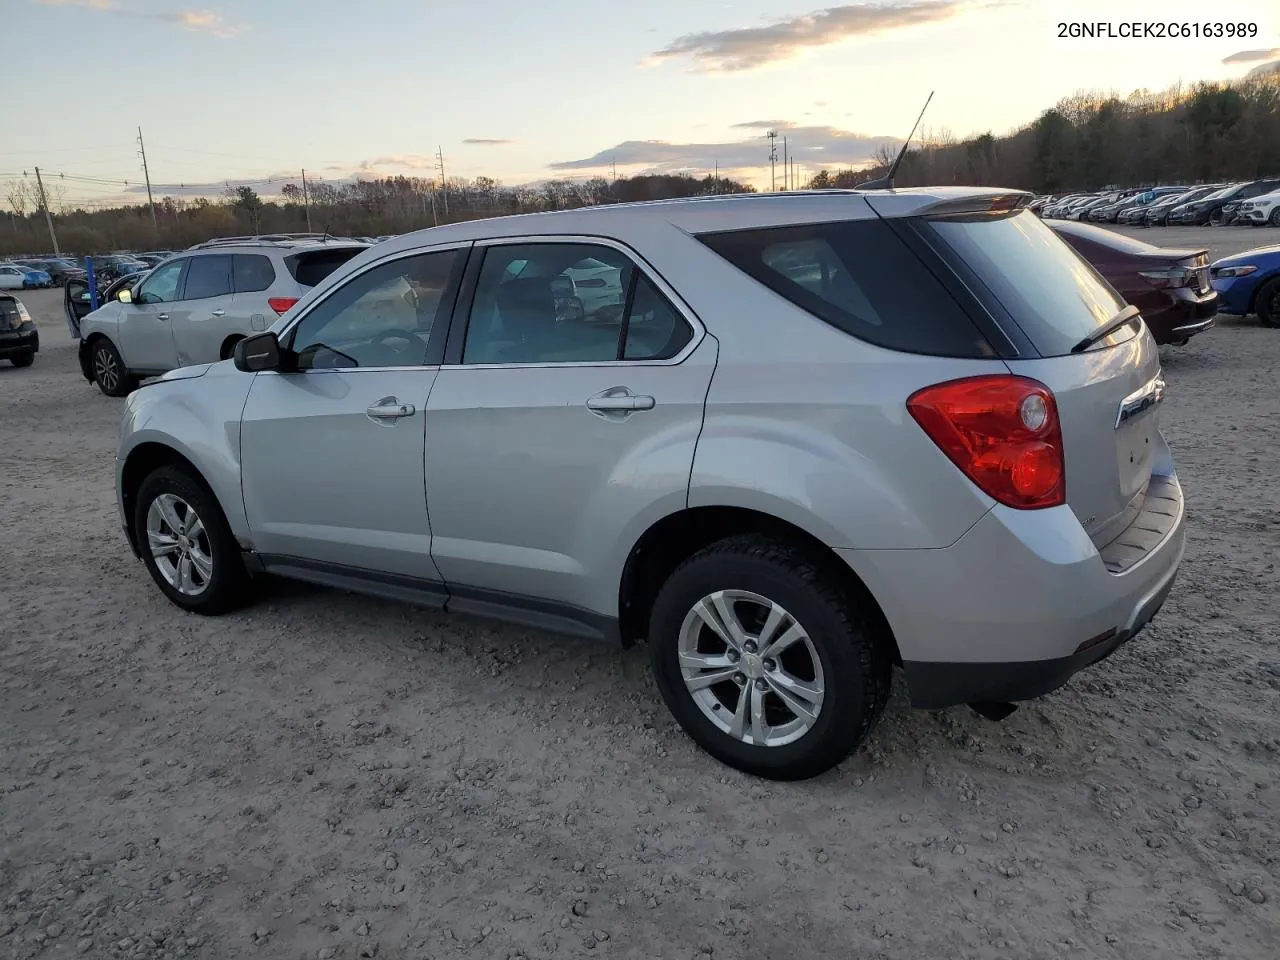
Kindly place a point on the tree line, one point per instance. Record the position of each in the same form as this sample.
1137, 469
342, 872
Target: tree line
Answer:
361, 208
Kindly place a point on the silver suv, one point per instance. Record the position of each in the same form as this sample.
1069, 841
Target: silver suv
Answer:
827, 433
195, 306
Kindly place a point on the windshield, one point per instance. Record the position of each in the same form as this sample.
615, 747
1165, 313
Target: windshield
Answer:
1046, 288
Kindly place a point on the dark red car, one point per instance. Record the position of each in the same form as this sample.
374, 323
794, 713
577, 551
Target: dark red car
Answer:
1170, 287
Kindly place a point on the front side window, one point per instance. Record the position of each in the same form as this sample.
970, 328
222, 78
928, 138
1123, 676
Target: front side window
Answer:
568, 303
162, 286
384, 317
207, 277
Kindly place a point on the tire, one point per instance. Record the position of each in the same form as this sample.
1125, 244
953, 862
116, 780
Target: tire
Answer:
839, 654
23, 359
200, 567
228, 347
1267, 304
109, 371
1274, 219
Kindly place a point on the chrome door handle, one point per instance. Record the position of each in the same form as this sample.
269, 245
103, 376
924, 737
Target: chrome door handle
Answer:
389, 408
624, 402
219, 313
162, 316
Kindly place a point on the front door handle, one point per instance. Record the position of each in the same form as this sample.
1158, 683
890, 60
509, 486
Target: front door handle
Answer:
219, 313
162, 316
389, 409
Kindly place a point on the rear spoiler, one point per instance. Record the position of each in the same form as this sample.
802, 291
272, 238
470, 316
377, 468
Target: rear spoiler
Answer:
995, 202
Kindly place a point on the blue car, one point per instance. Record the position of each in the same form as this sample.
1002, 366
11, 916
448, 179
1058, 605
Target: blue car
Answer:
1249, 282
33, 278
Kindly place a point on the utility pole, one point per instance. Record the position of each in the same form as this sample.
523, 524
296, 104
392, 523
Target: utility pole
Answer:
773, 160
306, 198
716, 186
613, 168
786, 167
48, 217
146, 174
444, 189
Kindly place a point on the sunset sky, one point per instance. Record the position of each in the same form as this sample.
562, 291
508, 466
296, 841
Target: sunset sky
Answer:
258, 89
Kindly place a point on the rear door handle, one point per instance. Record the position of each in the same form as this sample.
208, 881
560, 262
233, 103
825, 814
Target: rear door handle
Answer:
389, 409
624, 402
162, 316
219, 313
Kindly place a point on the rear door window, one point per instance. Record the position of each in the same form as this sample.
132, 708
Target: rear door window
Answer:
861, 277
252, 272
1047, 289
208, 277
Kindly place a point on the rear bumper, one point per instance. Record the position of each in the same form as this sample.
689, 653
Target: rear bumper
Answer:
24, 340
1185, 315
1022, 601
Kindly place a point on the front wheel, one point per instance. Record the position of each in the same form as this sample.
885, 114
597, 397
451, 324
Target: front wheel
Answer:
109, 371
186, 544
766, 659
23, 359
1268, 304
1274, 219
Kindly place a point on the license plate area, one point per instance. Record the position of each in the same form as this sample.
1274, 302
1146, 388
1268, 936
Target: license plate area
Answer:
1137, 422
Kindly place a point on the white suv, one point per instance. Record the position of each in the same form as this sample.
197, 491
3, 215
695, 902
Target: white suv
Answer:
1261, 211
195, 307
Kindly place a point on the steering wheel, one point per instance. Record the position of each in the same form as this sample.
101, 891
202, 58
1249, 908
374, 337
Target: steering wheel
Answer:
408, 336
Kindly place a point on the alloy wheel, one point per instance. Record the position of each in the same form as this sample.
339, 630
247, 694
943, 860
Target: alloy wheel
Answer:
105, 369
179, 545
751, 668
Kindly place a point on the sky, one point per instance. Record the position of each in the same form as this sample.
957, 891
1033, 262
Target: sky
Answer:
523, 90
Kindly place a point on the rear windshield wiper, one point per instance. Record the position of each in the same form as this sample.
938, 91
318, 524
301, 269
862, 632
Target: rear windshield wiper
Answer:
1124, 317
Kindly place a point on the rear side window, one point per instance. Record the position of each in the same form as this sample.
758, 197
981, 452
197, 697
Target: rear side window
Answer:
208, 277
860, 277
311, 267
252, 272
1047, 289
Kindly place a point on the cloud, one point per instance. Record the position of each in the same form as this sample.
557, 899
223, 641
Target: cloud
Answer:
486, 142
764, 125
749, 48
810, 146
1253, 56
199, 21
1264, 70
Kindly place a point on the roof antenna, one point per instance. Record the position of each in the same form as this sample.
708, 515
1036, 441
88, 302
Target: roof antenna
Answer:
886, 182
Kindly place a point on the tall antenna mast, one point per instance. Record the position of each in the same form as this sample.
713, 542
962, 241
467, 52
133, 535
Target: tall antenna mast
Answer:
886, 182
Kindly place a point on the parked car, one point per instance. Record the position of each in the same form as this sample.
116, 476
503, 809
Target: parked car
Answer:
1110, 212
111, 267
1261, 210
1156, 215
12, 277
1212, 209
1171, 288
964, 477
19, 338
1058, 207
196, 307
1249, 282
59, 269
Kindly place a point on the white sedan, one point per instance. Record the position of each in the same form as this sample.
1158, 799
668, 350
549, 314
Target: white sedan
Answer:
12, 277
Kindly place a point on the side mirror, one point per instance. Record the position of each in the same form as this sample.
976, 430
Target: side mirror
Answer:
258, 352
125, 295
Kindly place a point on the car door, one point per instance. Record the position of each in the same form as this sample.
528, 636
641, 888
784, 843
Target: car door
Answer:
553, 441
146, 328
252, 275
200, 319
333, 452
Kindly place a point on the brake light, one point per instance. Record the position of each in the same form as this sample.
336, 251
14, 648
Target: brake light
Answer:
281, 304
1167, 277
1002, 432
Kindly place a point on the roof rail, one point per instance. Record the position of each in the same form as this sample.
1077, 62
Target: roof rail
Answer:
270, 240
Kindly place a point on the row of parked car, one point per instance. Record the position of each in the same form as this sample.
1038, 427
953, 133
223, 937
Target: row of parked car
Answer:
30, 273
1254, 202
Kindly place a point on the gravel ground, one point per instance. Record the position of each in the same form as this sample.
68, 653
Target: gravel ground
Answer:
327, 776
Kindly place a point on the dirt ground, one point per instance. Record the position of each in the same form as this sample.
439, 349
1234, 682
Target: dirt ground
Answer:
327, 776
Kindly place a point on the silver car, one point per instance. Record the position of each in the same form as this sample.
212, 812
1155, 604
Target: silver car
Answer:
828, 433
195, 306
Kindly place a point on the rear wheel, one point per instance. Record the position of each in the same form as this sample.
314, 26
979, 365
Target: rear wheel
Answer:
1274, 219
1268, 305
186, 544
109, 371
766, 660
23, 359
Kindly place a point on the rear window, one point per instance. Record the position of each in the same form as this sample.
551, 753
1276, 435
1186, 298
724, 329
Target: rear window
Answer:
1048, 290
860, 277
1103, 237
311, 267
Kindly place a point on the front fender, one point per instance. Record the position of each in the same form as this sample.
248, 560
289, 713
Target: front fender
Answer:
199, 419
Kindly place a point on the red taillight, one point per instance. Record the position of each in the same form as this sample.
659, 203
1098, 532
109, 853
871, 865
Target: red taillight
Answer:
281, 304
1002, 432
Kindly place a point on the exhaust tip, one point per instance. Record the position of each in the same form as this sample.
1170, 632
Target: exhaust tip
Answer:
990, 710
